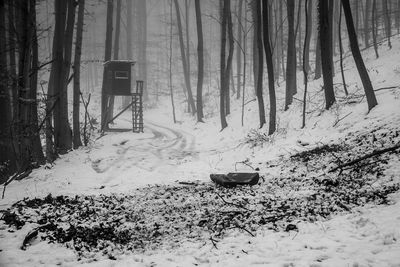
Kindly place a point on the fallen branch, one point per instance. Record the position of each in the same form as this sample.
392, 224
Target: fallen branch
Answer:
17, 176
386, 88
374, 153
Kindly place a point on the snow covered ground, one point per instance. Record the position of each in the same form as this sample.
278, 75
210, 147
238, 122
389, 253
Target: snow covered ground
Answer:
166, 154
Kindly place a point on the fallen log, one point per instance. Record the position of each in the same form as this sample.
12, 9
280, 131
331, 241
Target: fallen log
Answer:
374, 153
234, 179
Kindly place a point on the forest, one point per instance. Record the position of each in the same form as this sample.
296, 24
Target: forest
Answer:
115, 114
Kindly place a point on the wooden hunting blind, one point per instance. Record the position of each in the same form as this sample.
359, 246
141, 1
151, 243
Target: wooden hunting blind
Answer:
118, 81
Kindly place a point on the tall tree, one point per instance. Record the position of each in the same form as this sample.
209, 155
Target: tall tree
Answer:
6, 155
107, 57
366, 22
58, 77
187, 44
307, 10
341, 50
116, 52
259, 41
77, 75
326, 52
388, 23
184, 59
369, 90
270, 67
223, 77
306, 57
238, 51
374, 28
291, 82
200, 55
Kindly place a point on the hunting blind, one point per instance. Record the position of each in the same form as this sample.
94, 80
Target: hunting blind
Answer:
118, 81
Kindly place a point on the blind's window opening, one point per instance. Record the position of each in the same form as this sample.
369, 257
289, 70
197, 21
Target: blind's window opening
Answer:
121, 75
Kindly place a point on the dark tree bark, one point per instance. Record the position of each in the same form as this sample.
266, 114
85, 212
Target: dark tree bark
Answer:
318, 64
238, 51
170, 65
6, 152
305, 63
306, 57
64, 34
188, 47
107, 57
259, 88
369, 90
366, 22
326, 52
116, 53
388, 23
230, 57
270, 67
37, 156
184, 59
341, 51
291, 82
374, 28
77, 75
223, 78
200, 69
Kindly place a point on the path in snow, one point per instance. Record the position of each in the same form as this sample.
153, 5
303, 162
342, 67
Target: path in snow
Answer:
161, 148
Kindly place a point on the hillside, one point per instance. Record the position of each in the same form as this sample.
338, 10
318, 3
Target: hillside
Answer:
150, 194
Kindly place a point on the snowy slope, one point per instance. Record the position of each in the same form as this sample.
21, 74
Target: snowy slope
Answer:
166, 153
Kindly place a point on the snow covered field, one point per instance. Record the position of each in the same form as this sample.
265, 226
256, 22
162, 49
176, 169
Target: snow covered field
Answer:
166, 154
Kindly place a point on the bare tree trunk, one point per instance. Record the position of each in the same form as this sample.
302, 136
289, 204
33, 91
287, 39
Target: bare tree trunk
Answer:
326, 52
6, 153
388, 23
116, 53
270, 67
62, 130
127, 99
77, 75
107, 57
238, 51
369, 90
374, 28
184, 59
170, 65
223, 78
366, 22
307, 6
200, 69
244, 60
306, 52
230, 57
188, 45
291, 56
37, 156
259, 88
341, 51
318, 64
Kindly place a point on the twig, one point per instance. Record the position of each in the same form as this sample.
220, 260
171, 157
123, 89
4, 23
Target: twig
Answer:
341, 119
244, 229
214, 242
244, 163
233, 204
386, 88
374, 153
